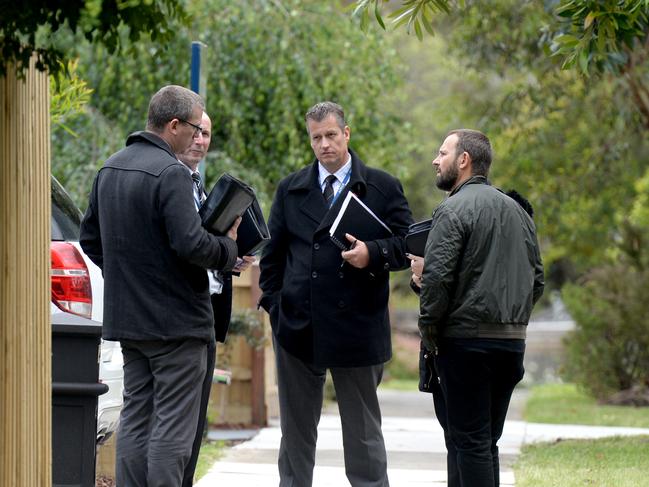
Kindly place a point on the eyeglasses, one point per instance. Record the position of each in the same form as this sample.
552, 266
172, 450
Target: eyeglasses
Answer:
197, 128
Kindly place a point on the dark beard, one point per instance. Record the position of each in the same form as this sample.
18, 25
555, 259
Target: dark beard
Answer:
445, 182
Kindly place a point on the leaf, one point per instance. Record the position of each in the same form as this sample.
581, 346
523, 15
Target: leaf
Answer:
398, 13
583, 61
601, 42
377, 14
365, 20
427, 22
566, 40
442, 5
418, 32
360, 6
589, 20
405, 17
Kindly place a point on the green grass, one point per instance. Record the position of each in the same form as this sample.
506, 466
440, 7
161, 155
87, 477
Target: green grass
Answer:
608, 462
404, 300
210, 452
566, 404
400, 384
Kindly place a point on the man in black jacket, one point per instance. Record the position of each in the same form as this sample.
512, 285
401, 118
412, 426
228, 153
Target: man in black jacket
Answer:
329, 310
142, 229
482, 275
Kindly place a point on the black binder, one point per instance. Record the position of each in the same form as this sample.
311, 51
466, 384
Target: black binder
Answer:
229, 199
358, 220
417, 236
253, 232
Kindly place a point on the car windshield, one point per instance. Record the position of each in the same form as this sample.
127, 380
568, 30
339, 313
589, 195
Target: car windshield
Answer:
66, 217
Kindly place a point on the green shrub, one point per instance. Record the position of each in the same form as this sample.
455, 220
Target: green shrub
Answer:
609, 349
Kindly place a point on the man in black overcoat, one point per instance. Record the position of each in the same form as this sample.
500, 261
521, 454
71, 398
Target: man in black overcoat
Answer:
329, 309
142, 229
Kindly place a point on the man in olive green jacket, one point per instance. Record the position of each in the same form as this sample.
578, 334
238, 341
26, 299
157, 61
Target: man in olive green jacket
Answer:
482, 275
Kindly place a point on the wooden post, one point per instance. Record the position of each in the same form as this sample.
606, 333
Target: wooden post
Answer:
259, 417
252, 394
25, 334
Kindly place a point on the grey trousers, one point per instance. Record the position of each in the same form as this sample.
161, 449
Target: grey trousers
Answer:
190, 468
300, 388
162, 390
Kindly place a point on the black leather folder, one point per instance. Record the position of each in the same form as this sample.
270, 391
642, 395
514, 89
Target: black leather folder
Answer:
355, 218
253, 232
228, 200
417, 236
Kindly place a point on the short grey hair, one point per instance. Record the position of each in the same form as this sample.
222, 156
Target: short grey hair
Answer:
171, 101
322, 110
477, 145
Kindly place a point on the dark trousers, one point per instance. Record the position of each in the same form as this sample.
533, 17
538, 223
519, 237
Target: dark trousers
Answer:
162, 388
300, 389
477, 387
453, 475
222, 309
190, 469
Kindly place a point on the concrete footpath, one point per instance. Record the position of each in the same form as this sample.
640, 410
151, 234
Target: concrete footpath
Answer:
413, 438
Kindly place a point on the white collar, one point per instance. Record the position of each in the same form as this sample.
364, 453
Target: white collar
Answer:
340, 173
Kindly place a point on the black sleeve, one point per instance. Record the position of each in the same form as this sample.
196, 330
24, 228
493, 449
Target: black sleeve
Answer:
273, 260
222, 309
187, 237
90, 237
389, 254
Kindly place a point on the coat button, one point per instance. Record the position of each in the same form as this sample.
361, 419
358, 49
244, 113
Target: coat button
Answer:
316, 246
341, 304
386, 266
385, 251
341, 274
314, 274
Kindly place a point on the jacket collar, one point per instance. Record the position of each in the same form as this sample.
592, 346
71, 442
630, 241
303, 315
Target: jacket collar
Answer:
307, 178
313, 204
471, 180
151, 138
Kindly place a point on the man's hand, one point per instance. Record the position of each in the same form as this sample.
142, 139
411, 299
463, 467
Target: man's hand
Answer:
243, 263
417, 268
357, 255
232, 233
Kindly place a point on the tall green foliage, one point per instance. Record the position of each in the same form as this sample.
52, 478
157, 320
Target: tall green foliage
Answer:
609, 350
267, 63
573, 145
576, 146
31, 27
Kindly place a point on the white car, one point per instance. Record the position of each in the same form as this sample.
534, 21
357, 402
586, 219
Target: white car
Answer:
78, 287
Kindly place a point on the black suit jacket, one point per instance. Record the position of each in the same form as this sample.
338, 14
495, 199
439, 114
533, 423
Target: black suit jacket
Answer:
320, 312
142, 229
222, 306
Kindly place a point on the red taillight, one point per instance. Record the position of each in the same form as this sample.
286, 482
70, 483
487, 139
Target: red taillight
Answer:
71, 289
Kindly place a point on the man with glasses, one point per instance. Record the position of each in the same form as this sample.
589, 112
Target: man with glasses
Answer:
142, 229
198, 129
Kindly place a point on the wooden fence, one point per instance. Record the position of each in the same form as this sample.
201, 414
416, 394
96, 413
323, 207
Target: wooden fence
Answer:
25, 334
251, 398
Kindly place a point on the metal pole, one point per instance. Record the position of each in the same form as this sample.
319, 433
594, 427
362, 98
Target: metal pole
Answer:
198, 81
